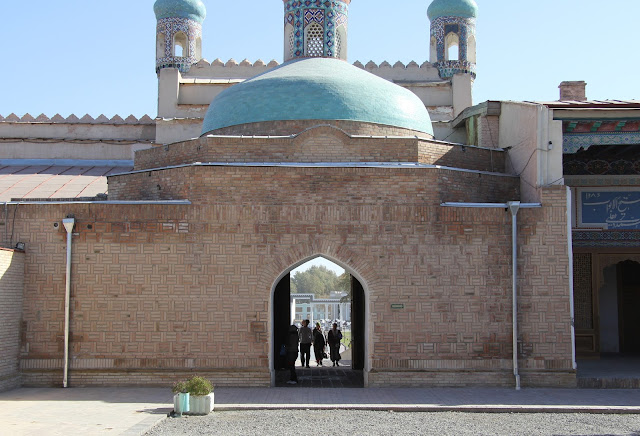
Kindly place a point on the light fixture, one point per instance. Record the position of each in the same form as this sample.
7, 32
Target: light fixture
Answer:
20, 246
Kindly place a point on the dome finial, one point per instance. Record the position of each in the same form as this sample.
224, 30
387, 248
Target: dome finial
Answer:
452, 8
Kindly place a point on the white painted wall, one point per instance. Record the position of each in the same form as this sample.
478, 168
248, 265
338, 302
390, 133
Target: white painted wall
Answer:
534, 141
74, 139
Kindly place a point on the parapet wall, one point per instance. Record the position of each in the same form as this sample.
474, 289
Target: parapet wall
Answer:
245, 69
85, 138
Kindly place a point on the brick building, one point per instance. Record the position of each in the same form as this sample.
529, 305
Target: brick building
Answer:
180, 257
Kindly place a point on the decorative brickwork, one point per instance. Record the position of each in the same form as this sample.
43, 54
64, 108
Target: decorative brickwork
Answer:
299, 185
11, 296
582, 290
161, 291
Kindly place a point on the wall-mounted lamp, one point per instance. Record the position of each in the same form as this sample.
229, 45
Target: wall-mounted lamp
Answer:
20, 246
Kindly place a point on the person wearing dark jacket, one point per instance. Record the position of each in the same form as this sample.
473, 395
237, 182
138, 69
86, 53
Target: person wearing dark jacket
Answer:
292, 353
318, 344
306, 337
333, 338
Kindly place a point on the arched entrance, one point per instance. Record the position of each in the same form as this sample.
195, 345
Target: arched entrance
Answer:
352, 312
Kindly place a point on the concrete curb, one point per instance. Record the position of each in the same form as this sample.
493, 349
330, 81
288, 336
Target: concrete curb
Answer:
627, 410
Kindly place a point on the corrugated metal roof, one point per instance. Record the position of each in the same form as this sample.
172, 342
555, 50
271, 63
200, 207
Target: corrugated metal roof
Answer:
610, 104
54, 181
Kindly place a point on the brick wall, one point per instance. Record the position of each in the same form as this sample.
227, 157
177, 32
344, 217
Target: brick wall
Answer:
160, 292
544, 301
11, 290
321, 144
205, 184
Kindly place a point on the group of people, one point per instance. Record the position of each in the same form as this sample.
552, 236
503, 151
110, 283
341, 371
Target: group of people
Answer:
306, 338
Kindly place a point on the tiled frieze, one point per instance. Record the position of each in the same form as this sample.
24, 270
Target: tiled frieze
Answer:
606, 238
572, 142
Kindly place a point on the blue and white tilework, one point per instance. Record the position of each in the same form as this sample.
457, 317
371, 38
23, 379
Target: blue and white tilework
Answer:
169, 27
572, 142
439, 31
330, 14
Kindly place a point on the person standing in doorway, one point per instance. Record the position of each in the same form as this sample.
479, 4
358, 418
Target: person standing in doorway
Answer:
292, 353
306, 337
333, 338
318, 344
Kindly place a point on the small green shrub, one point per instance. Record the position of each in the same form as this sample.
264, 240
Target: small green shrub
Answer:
197, 385
180, 387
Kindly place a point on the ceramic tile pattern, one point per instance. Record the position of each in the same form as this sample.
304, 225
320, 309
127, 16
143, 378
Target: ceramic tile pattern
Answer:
332, 15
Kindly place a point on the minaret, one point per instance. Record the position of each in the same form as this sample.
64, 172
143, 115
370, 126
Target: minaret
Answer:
315, 28
453, 36
179, 33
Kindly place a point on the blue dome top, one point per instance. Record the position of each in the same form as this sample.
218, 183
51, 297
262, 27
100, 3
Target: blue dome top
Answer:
452, 8
191, 9
317, 89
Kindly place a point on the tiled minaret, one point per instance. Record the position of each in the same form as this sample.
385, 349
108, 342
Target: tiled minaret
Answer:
315, 28
453, 36
179, 33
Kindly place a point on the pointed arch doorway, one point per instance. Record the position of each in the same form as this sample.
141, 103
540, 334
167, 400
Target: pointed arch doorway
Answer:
350, 313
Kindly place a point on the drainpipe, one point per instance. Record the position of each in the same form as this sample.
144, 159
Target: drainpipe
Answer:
571, 304
514, 206
68, 225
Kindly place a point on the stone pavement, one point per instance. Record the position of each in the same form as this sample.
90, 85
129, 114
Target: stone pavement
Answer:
132, 411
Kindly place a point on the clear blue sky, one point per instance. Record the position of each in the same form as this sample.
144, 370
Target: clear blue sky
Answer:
79, 56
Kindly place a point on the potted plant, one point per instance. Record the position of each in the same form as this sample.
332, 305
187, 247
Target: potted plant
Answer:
201, 399
181, 398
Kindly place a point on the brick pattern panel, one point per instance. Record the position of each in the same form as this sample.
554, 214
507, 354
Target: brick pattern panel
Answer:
11, 291
544, 300
321, 144
161, 291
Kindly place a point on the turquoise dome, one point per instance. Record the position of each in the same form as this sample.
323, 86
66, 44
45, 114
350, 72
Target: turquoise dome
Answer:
317, 89
191, 9
452, 8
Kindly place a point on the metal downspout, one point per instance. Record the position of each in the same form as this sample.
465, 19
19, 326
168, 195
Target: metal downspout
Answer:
571, 303
68, 225
514, 206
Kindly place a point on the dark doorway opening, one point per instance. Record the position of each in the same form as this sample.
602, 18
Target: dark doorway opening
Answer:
351, 317
629, 306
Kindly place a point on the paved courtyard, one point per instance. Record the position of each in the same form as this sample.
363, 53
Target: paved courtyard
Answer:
133, 411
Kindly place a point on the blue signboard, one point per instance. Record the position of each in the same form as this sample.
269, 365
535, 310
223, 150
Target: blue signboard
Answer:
612, 210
